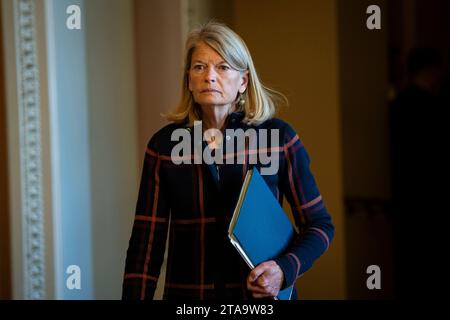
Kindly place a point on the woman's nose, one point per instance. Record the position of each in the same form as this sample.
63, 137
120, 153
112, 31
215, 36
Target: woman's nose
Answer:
210, 75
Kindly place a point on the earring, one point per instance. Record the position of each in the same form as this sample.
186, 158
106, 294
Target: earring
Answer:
241, 100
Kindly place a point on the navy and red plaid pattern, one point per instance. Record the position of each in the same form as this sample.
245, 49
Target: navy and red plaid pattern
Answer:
195, 207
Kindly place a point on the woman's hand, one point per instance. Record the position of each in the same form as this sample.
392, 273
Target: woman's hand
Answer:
265, 280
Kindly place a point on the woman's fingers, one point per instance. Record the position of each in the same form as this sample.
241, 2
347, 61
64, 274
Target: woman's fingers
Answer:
265, 280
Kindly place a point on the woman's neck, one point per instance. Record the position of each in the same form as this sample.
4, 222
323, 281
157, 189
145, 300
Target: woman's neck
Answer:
214, 117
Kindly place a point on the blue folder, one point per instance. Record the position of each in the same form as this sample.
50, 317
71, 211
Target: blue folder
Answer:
260, 229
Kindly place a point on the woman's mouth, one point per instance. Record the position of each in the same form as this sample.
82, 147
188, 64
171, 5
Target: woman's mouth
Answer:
210, 91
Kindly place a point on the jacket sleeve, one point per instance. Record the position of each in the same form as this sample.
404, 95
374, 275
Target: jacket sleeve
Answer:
312, 219
147, 244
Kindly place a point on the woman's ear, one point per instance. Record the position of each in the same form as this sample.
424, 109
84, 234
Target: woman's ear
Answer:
244, 82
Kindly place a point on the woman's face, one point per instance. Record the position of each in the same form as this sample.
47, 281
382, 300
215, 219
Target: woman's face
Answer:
212, 81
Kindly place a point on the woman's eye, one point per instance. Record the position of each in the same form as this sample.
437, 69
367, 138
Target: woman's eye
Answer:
198, 67
224, 67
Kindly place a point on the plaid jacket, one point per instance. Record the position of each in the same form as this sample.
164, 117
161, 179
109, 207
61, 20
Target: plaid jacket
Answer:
195, 202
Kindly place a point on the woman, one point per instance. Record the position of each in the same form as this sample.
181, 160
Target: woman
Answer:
222, 90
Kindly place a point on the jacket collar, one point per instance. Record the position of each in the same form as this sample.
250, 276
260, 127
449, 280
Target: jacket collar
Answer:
233, 119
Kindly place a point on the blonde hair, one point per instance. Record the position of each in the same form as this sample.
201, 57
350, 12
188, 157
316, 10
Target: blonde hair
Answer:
260, 102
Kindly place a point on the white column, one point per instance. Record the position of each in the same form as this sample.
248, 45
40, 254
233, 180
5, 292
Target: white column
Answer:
26, 161
69, 151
